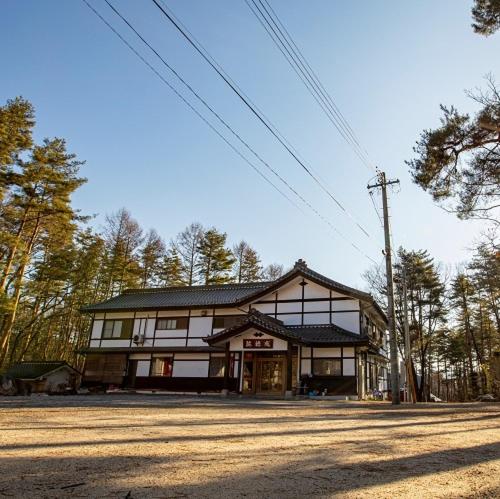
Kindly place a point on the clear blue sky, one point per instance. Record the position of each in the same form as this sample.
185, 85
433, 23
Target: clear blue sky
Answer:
388, 64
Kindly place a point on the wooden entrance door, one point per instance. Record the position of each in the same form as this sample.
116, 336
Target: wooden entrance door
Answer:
270, 375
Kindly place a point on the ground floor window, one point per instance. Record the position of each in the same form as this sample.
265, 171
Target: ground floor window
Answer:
327, 367
216, 368
162, 366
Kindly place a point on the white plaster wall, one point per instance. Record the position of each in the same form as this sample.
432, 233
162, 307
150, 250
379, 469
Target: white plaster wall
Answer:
168, 333
305, 366
265, 308
229, 311
115, 343
348, 351
200, 326
196, 342
94, 343
317, 306
345, 305
320, 318
347, 320
173, 313
289, 307
190, 369
143, 368
99, 316
326, 352
150, 327
119, 315
97, 329
163, 342
306, 351
290, 291
313, 290
349, 368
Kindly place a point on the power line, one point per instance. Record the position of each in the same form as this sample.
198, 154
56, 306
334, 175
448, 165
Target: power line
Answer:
188, 103
295, 58
254, 111
212, 58
316, 78
215, 114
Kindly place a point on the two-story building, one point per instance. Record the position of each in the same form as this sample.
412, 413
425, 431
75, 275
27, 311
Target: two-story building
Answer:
302, 329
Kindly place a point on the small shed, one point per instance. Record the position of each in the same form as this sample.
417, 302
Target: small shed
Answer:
44, 377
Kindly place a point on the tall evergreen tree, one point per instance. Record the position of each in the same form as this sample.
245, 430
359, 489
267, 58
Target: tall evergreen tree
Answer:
38, 208
247, 266
215, 262
16, 128
152, 255
172, 272
486, 14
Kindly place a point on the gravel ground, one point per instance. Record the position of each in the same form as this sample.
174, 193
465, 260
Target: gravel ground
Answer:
145, 446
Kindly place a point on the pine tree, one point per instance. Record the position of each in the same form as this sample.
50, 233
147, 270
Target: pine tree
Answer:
16, 127
152, 255
216, 261
37, 209
172, 273
247, 266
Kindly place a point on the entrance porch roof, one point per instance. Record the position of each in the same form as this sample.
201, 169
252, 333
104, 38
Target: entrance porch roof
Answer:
253, 320
328, 335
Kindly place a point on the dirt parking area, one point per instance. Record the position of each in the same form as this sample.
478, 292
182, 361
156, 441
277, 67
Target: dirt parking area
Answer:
163, 447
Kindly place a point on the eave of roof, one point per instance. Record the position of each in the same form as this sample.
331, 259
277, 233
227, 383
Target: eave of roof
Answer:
149, 349
255, 320
306, 335
177, 298
220, 296
37, 370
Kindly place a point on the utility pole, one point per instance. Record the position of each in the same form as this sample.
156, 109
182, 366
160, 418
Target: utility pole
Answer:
410, 387
383, 183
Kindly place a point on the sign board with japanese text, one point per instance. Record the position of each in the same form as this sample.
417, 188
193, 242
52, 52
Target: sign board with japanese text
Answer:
257, 343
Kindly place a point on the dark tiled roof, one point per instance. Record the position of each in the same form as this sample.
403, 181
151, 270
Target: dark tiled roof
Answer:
178, 297
256, 319
301, 334
325, 334
34, 370
218, 295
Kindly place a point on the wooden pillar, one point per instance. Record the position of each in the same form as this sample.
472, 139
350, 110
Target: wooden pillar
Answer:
227, 364
288, 392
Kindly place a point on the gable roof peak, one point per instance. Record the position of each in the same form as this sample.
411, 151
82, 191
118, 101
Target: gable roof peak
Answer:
300, 264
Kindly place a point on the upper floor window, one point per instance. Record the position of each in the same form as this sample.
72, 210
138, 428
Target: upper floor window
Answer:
172, 323
225, 321
118, 329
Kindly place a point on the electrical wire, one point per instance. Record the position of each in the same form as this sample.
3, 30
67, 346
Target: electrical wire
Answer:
213, 112
281, 37
259, 116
